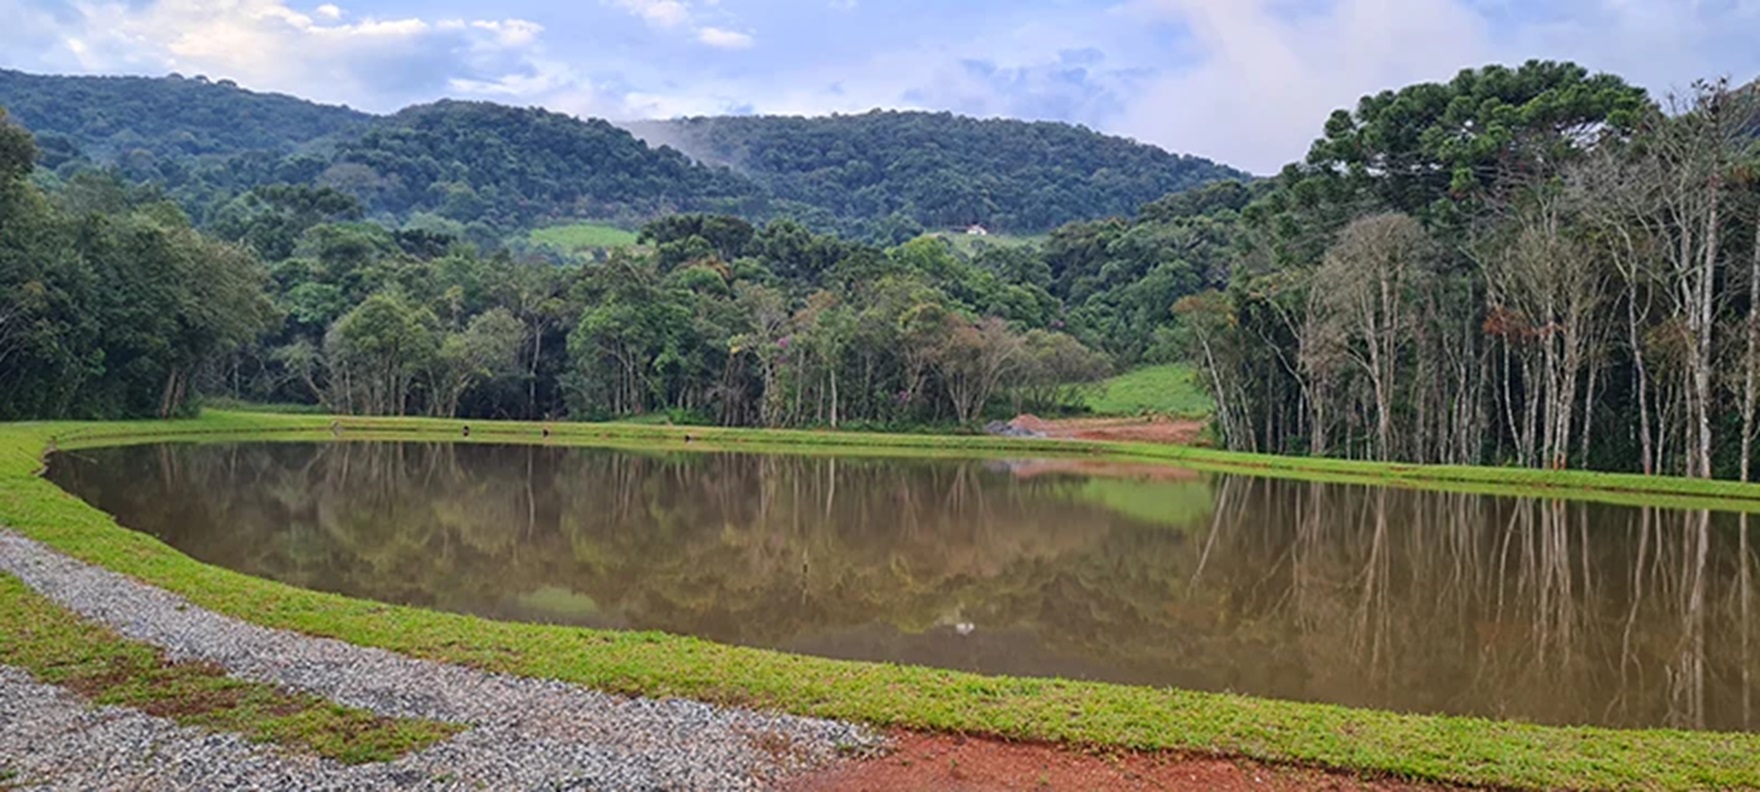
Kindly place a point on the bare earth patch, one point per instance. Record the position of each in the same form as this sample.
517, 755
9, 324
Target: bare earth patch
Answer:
1150, 429
951, 763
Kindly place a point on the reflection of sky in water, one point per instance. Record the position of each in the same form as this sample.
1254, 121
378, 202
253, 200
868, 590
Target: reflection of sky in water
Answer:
1551, 612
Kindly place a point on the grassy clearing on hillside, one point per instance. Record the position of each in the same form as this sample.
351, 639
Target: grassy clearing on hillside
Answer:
1166, 390
1450, 749
59, 648
578, 237
968, 244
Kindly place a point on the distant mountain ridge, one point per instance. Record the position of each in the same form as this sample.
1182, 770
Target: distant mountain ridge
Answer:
497, 169
106, 117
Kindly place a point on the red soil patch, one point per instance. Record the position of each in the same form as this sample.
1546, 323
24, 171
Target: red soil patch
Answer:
968, 764
1153, 429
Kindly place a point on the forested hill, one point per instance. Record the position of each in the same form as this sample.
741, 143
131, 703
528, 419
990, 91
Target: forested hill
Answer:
940, 169
103, 118
488, 171
514, 167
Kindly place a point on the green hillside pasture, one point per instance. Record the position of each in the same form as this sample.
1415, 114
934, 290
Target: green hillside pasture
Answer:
1172, 389
584, 237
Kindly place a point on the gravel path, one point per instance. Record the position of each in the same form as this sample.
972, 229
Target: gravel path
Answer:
525, 733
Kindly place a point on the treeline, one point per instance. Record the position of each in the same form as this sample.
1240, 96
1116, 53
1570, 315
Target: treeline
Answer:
1118, 278
111, 305
504, 168
720, 321
142, 122
488, 173
938, 170
111, 312
1531, 266
473, 170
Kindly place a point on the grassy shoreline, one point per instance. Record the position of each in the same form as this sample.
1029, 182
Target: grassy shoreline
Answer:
1450, 749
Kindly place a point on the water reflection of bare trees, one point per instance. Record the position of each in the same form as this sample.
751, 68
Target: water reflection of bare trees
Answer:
1524, 608
1538, 609
1745, 620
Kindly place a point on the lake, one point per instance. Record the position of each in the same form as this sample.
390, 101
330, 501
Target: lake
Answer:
1537, 610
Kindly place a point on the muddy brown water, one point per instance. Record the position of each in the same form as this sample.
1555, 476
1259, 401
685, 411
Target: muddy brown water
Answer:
1543, 611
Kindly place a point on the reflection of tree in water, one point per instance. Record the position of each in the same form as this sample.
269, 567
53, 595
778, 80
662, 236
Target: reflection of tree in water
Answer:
1517, 608
1542, 610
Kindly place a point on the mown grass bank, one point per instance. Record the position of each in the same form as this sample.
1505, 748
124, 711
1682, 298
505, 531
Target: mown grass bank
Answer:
1450, 749
1171, 389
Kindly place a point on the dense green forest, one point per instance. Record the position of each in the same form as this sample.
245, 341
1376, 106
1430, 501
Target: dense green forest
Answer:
940, 170
1532, 266
138, 121
1528, 265
510, 168
488, 173
115, 312
115, 306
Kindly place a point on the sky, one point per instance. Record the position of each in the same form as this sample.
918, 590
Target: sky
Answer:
1245, 82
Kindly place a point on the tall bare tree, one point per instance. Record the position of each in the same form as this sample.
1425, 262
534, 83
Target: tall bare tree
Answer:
1685, 168
1364, 286
1547, 287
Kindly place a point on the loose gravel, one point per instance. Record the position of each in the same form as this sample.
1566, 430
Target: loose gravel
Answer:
523, 733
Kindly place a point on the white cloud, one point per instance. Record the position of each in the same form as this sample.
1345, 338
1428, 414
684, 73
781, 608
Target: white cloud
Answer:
268, 45
1266, 81
660, 13
724, 39
680, 16
511, 33
1266, 76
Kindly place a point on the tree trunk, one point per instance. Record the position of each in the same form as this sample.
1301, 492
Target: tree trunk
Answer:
834, 397
1646, 444
1702, 360
532, 381
1752, 373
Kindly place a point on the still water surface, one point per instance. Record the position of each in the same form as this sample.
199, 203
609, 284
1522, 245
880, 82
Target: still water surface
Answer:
1550, 612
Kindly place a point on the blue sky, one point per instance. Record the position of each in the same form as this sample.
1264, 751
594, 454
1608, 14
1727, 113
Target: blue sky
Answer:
1247, 82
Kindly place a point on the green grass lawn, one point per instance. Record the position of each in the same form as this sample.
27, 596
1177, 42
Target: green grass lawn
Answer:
578, 237
1472, 751
237, 405
1167, 390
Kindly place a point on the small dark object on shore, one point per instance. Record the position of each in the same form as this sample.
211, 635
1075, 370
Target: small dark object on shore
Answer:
467, 430
546, 431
